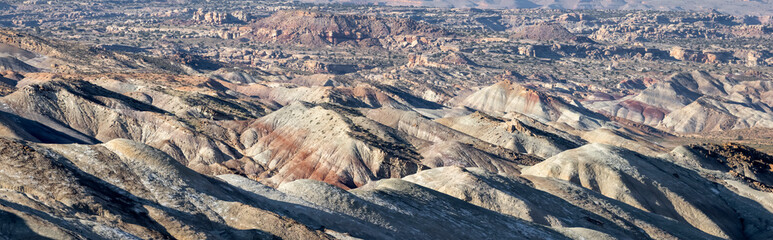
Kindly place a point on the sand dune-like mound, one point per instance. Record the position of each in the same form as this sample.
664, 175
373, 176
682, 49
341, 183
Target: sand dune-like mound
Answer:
632, 110
709, 114
519, 197
652, 104
507, 96
653, 185
512, 196
667, 95
360, 96
758, 91
513, 134
623, 139
626, 216
329, 143
695, 102
390, 202
89, 113
441, 145
124, 189
702, 82
458, 154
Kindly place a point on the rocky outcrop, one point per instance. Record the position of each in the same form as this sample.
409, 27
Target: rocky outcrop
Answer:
214, 17
738, 161
319, 28
455, 59
544, 32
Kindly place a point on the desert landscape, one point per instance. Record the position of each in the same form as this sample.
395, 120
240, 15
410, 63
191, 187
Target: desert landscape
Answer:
357, 119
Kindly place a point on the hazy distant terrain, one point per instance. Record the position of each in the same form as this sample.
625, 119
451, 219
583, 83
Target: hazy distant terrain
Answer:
736, 7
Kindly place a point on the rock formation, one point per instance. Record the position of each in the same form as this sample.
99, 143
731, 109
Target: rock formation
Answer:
319, 28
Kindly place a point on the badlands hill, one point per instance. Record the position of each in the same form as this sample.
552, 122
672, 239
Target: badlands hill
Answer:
124, 189
510, 97
659, 187
127, 189
121, 187
328, 143
696, 102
